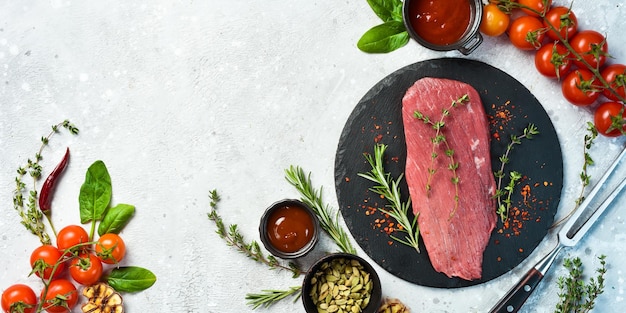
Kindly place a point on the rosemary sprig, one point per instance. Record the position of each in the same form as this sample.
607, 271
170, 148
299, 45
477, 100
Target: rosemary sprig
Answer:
502, 207
234, 238
438, 139
390, 190
32, 217
268, 297
313, 198
575, 295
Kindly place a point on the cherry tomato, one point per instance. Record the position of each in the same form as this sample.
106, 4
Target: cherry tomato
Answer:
71, 236
110, 248
535, 6
606, 121
86, 269
550, 57
589, 43
494, 22
61, 296
580, 87
615, 75
43, 259
526, 32
563, 20
19, 298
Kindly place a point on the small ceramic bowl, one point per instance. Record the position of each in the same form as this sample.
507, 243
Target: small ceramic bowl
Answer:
289, 229
316, 277
467, 43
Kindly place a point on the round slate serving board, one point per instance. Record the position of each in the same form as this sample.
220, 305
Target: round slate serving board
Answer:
377, 118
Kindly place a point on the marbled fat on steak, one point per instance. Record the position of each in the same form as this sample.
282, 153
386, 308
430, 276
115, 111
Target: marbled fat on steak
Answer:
455, 234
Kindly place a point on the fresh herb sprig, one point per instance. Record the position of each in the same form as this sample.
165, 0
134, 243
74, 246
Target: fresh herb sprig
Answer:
268, 297
388, 36
329, 222
234, 238
390, 190
32, 217
575, 295
502, 206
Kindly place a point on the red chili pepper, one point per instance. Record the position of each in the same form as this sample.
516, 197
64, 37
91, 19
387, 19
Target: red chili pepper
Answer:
47, 190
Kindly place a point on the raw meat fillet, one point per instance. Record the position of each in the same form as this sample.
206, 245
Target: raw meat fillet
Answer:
455, 234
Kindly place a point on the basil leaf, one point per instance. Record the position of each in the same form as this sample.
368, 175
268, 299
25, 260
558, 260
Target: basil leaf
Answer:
116, 218
95, 193
384, 38
130, 279
387, 10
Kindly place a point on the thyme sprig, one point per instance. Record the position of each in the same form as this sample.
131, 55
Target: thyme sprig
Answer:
503, 206
438, 139
268, 297
32, 217
390, 190
575, 295
329, 222
234, 238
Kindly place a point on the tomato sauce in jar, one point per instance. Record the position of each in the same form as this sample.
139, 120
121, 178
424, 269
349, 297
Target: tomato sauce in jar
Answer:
440, 22
290, 228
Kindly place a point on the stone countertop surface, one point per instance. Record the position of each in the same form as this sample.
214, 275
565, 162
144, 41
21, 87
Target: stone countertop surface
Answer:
182, 97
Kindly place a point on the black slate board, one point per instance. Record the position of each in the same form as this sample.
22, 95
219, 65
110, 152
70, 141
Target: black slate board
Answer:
377, 118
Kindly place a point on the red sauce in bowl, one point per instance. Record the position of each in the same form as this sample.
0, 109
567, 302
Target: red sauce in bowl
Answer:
440, 22
290, 228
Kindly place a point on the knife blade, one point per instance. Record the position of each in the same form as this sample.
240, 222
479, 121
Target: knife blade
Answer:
569, 235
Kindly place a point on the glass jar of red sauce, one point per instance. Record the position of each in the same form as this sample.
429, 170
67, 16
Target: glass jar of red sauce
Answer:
444, 25
289, 229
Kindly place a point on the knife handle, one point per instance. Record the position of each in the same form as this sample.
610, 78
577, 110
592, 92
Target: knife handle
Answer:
514, 299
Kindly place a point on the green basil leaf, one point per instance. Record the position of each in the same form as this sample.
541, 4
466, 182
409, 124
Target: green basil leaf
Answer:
387, 10
116, 218
95, 193
130, 279
384, 38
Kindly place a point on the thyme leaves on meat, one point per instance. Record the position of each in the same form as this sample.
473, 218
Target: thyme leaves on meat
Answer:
390, 190
313, 198
503, 195
437, 140
251, 249
268, 297
575, 295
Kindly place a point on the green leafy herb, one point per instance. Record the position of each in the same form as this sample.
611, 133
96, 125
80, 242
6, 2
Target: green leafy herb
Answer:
390, 189
95, 194
25, 197
504, 205
130, 279
234, 238
388, 36
268, 297
116, 218
575, 295
313, 198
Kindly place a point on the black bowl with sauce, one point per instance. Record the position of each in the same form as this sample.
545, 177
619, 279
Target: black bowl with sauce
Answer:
289, 229
444, 25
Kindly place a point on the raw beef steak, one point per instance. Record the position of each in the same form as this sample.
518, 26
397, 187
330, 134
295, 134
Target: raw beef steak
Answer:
455, 233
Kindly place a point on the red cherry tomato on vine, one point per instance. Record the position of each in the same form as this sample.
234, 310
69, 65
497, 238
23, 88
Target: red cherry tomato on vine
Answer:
19, 298
71, 236
580, 87
589, 44
526, 33
61, 296
550, 57
43, 260
110, 248
86, 269
535, 6
606, 116
615, 75
494, 22
563, 20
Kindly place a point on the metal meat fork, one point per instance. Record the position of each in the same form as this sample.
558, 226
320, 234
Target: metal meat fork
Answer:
571, 233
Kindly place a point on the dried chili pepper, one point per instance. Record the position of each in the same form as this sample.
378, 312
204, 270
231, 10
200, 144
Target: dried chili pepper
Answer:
47, 190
